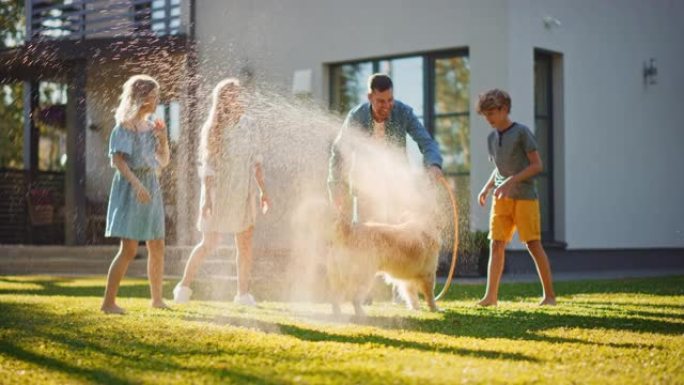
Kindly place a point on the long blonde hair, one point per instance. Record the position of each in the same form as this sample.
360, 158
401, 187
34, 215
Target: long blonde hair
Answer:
210, 135
135, 90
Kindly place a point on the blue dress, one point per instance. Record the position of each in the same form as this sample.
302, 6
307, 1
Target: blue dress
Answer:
126, 216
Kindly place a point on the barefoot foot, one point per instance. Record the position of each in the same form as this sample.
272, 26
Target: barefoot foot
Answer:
548, 301
487, 302
112, 309
159, 305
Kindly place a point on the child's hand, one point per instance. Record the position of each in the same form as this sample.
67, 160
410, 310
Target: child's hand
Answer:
142, 194
504, 190
265, 203
207, 206
160, 129
482, 197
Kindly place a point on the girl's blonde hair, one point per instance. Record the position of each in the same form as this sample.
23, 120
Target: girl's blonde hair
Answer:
210, 135
135, 90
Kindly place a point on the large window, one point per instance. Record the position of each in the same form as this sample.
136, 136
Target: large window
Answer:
437, 86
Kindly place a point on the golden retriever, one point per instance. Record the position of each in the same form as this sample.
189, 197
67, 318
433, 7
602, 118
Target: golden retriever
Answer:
406, 253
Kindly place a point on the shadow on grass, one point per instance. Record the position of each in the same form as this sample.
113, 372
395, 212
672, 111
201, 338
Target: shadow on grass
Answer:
109, 354
661, 286
313, 335
621, 307
528, 325
58, 286
8, 349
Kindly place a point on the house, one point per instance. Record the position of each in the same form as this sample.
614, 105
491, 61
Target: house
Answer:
83, 51
598, 82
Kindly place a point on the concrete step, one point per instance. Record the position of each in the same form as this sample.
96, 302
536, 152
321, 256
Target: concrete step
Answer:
94, 260
95, 252
216, 279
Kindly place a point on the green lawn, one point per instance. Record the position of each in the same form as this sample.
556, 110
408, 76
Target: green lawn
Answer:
617, 332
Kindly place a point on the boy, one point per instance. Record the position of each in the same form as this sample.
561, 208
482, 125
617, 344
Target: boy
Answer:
513, 150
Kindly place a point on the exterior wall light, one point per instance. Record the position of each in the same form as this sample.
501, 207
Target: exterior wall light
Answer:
650, 72
551, 22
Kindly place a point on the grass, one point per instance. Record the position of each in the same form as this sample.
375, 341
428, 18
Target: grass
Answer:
621, 331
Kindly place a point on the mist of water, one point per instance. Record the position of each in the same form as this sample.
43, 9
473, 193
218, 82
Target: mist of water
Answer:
297, 135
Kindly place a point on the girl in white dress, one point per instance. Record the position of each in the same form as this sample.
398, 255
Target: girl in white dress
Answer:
232, 179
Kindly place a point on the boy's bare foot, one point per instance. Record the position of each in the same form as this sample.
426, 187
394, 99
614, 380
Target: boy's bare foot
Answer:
112, 309
487, 302
548, 301
159, 305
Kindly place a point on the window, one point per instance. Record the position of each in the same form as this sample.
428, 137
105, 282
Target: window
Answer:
12, 126
437, 86
13, 24
51, 121
170, 114
349, 85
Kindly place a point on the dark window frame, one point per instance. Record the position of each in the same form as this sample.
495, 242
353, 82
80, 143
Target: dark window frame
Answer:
429, 58
547, 57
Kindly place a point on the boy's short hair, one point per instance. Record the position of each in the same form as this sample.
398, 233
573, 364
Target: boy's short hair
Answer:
493, 99
379, 82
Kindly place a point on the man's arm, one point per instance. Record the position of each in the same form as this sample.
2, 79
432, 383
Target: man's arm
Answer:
427, 145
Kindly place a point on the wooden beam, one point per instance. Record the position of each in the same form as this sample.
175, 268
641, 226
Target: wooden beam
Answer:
51, 59
187, 192
31, 134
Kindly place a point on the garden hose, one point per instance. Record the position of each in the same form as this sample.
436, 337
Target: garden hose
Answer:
454, 255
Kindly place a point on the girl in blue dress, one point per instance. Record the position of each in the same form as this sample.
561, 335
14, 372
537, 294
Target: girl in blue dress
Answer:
138, 149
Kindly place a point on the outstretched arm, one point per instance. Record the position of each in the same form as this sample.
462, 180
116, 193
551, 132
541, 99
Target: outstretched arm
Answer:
482, 197
427, 145
163, 153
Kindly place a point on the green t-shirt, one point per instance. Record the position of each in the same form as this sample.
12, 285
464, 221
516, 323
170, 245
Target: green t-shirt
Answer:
508, 151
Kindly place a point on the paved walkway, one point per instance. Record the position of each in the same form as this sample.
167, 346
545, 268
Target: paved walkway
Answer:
573, 276
572, 265
566, 265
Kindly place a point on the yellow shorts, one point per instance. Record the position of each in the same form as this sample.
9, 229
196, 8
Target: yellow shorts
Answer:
508, 214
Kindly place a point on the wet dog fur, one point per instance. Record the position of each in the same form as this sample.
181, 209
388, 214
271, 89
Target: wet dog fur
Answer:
406, 253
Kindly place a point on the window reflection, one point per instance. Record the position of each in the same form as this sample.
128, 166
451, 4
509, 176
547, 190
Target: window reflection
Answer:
407, 76
51, 122
12, 129
349, 85
437, 87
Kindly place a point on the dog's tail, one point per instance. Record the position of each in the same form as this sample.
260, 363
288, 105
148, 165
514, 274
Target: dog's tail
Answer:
404, 289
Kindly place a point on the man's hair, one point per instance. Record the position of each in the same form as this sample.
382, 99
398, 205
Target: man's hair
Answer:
379, 82
493, 99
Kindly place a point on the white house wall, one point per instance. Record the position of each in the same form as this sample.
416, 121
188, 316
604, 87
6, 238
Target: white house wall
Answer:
621, 138
616, 181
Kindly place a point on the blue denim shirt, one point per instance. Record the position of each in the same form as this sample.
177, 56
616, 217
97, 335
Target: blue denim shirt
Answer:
401, 121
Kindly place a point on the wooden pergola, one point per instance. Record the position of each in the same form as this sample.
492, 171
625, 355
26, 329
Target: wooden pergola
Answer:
64, 54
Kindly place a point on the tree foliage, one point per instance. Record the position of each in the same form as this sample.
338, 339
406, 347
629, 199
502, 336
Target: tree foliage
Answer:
11, 100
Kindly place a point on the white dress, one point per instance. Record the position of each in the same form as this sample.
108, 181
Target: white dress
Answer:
235, 192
